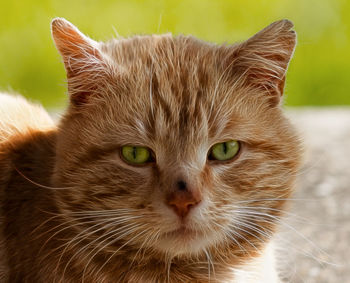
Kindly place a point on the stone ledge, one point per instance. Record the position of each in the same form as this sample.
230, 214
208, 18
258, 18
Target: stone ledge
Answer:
319, 249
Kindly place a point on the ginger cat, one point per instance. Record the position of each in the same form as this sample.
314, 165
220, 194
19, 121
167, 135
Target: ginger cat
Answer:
173, 163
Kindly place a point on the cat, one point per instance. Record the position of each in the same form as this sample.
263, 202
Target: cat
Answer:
173, 162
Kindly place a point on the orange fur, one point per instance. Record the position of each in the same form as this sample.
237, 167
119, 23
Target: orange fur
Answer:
70, 200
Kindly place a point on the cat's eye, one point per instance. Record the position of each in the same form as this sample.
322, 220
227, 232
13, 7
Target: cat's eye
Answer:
224, 150
136, 154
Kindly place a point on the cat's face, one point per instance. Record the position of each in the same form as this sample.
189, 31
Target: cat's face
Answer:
177, 98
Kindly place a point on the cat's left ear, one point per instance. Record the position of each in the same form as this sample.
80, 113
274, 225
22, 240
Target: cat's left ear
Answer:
263, 59
83, 59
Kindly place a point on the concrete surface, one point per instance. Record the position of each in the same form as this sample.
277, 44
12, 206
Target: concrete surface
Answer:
317, 239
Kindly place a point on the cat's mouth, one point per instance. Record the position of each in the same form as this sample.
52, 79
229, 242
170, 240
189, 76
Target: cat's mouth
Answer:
184, 240
183, 232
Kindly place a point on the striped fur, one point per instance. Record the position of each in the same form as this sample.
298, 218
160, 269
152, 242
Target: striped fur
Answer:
96, 218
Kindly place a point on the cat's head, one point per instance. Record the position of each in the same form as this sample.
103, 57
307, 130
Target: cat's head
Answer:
175, 144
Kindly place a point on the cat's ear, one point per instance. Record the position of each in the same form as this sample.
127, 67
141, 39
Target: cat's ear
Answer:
84, 61
263, 59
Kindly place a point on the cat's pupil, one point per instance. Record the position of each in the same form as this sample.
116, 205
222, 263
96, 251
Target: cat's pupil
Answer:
225, 147
134, 152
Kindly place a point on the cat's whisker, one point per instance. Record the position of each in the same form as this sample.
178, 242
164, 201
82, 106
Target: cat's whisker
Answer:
262, 217
147, 240
232, 237
79, 222
274, 199
168, 265
105, 212
308, 168
83, 235
159, 21
65, 227
150, 89
310, 255
90, 214
255, 228
210, 264
40, 185
245, 220
42, 224
115, 252
113, 232
289, 243
66, 244
295, 216
227, 234
208, 260
244, 238
121, 231
263, 234
252, 217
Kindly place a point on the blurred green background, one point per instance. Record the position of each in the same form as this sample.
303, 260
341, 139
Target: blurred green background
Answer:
318, 74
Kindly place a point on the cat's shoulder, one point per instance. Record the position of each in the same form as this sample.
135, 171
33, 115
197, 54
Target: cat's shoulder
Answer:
26, 132
19, 116
27, 139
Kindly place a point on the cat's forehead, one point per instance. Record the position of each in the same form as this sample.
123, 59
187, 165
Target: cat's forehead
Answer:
156, 49
174, 84
175, 92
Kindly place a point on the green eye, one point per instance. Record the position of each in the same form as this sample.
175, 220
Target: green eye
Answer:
224, 150
136, 154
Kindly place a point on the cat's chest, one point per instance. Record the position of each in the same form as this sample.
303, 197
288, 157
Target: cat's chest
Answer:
261, 269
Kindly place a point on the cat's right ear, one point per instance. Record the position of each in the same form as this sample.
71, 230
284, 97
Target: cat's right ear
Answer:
82, 57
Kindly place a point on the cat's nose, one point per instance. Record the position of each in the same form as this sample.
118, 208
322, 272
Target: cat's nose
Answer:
182, 200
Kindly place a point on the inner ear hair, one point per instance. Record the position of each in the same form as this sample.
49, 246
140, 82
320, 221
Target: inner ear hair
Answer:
262, 60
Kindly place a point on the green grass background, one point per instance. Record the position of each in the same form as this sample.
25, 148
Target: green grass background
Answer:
319, 73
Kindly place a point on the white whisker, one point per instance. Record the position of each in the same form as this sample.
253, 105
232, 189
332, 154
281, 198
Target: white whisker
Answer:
114, 253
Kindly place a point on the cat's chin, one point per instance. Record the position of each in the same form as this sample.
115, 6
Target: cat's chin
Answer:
185, 241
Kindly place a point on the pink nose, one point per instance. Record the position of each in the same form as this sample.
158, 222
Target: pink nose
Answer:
182, 200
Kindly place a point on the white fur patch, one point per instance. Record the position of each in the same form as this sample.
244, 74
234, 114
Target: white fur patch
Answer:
258, 270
